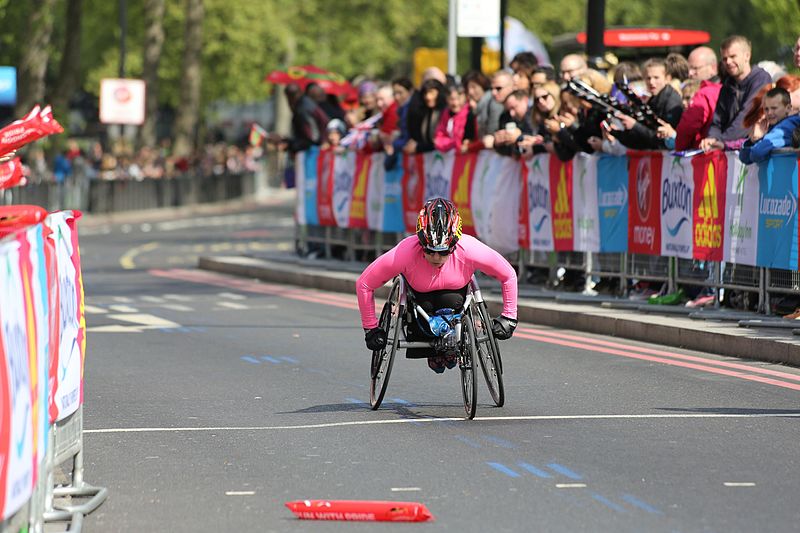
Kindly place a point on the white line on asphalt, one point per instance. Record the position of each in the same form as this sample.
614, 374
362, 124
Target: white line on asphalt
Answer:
123, 308
122, 299
240, 493
232, 296
453, 419
146, 320
91, 309
114, 328
405, 489
570, 485
738, 484
232, 305
179, 297
177, 307
152, 299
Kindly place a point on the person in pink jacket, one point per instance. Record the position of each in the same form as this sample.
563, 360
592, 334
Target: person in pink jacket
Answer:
450, 132
696, 119
437, 263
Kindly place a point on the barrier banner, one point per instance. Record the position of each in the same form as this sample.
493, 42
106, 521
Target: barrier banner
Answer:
393, 199
300, 185
777, 212
438, 174
344, 176
561, 200
584, 204
324, 174
711, 182
487, 166
413, 189
503, 208
461, 188
612, 202
375, 196
17, 352
677, 192
309, 175
358, 204
741, 212
644, 221
539, 213
524, 208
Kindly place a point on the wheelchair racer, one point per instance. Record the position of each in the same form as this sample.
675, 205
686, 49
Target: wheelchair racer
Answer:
437, 263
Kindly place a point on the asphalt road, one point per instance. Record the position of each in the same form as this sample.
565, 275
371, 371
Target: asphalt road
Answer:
212, 400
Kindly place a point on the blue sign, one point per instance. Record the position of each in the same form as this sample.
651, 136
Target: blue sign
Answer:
311, 180
777, 212
393, 200
612, 203
8, 85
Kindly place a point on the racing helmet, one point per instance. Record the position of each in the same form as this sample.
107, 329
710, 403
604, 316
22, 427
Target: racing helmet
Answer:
438, 225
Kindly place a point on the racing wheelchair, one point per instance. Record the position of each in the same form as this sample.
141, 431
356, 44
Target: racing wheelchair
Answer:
470, 333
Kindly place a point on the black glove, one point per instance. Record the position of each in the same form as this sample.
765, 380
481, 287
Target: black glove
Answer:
503, 327
375, 339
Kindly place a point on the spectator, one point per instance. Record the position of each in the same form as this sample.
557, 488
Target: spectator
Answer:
431, 104
677, 69
388, 129
665, 103
308, 120
546, 103
689, 88
334, 132
403, 91
523, 65
696, 119
367, 98
774, 130
756, 111
416, 106
485, 108
450, 133
774, 70
516, 120
330, 106
625, 73
740, 85
572, 66
577, 121
502, 86
542, 74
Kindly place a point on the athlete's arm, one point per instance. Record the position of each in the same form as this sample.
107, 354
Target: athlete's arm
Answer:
490, 262
375, 275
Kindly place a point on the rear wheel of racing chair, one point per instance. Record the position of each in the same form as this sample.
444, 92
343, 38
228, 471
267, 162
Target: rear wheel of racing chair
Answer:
467, 365
382, 359
488, 352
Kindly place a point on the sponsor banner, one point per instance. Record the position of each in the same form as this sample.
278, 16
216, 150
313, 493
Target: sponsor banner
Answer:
584, 203
300, 187
644, 220
677, 202
561, 200
375, 195
777, 212
504, 208
487, 166
17, 351
311, 180
358, 204
461, 188
344, 174
741, 212
540, 215
612, 203
393, 198
438, 174
524, 230
324, 173
708, 210
413, 189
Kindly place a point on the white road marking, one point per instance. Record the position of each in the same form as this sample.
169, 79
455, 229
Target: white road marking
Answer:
123, 309
570, 485
147, 320
449, 419
153, 299
178, 297
92, 310
240, 492
738, 484
232, 296
232, 305
114, 328
405, 489
122, 299
177, 307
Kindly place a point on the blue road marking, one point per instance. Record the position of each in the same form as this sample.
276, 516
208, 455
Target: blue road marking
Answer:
563, 470
355, 401
290, 360
640, 504
500, 442
270, 359
467, 441
403, 402
535, 471
503, 469
251, 359
608, 503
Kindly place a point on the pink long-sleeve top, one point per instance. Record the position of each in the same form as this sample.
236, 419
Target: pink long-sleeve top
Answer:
450, 131
408, 259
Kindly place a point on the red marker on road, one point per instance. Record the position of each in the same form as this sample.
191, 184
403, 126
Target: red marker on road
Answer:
360, 510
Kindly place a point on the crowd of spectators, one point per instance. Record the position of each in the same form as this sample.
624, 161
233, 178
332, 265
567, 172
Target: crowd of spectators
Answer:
703, 102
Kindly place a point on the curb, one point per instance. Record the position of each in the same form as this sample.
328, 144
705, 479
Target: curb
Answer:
727, 339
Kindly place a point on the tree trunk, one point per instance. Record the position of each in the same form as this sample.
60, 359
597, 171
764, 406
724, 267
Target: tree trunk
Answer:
69, 72
189, 106
33, 63
153, 44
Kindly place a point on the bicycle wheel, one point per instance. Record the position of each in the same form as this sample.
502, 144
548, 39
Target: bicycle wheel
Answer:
489, 354
467, 365
383, 359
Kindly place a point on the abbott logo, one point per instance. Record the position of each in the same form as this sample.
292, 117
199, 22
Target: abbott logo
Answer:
643, 182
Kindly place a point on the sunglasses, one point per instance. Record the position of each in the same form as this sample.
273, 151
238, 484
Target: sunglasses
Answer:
542, 96
498, 88
442, 253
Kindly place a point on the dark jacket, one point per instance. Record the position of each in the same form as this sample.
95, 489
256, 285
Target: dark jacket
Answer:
422, 121
668, 106
574, 139
308, 125
733, 103
524, 125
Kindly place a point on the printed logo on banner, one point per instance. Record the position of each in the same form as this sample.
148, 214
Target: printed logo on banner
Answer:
777, 212
358, 204
584, 204
741, 212
392, 199
561, 188
325, 180
710, 171
463, 167
311, 185
541, 228
612, 198
677, 190
643, 183
69, 351
438, 173
413, 189
487, 167
645, 219
344, 172
523, 219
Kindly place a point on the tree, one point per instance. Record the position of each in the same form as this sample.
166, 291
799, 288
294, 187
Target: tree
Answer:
33, 63
189, 105
69, 73
154, 43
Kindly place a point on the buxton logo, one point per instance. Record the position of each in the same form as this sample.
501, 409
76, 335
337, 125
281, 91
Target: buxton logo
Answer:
643, 181
676, 196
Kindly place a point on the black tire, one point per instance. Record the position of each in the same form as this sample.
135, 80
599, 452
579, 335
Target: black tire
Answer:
489, 354
382, 360
467, 365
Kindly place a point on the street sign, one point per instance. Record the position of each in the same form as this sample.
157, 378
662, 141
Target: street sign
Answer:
122, 101
8, 85
478, 18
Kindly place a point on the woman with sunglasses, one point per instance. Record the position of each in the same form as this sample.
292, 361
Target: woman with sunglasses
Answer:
438, 263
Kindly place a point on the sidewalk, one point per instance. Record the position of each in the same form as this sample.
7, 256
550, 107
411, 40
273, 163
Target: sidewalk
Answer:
722, 332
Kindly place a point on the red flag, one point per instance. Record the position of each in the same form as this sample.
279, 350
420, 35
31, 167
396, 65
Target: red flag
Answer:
360, 511
36, 124
413, 189
561, 200
644, 213
710, 184
461, 188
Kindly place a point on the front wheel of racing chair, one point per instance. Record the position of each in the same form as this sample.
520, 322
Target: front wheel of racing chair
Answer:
382, 360
486, 346
466, 363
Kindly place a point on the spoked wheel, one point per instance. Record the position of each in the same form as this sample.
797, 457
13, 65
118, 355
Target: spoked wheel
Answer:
489, 354
467, 365
382, 360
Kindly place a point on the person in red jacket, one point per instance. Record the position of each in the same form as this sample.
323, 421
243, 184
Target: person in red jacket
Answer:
696, 119
450, 132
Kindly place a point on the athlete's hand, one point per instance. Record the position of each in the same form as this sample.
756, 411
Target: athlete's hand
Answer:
503, 327
375, 339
